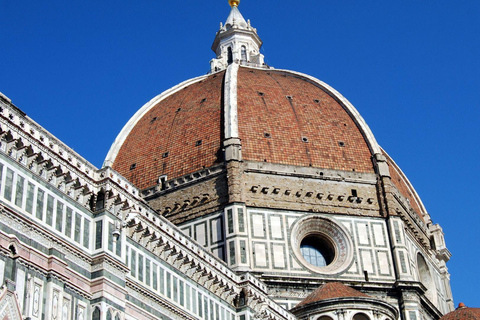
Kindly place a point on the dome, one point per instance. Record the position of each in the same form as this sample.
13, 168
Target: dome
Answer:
323, 304
283, 117
275, 172
247, 111
463, 313
331, 290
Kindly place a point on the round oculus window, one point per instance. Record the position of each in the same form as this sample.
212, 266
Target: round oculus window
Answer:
317, 251
322, 245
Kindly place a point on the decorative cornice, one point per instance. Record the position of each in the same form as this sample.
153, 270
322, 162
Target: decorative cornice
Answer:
168, 243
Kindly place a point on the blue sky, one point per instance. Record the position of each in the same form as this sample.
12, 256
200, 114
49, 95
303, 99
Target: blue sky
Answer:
82, 68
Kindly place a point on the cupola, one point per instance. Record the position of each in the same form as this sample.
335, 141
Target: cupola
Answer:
236, 41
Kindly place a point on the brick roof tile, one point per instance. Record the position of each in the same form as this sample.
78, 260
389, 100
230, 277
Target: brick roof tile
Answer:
282, 118
330, 291
463, 314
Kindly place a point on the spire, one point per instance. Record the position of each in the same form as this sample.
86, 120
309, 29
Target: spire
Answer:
236, 42
236, 19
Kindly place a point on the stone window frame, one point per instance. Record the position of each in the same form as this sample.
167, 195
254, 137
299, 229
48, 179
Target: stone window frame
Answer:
329, 229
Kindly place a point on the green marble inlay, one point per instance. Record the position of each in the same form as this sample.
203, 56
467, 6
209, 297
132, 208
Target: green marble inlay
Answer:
40, 204
50, 210
8, 185
19, 191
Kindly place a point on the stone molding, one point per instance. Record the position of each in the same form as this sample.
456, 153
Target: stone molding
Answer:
168, 243
38, 151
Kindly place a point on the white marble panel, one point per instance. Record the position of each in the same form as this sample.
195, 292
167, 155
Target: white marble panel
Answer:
260, 254
278, 256
20, 286
367, 261
258, 228
276, 227
216, 230
383, 262
200, 233
363, 233
378, 235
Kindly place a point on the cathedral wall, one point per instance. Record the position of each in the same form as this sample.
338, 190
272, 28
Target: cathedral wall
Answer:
263, 241
160, 279
297, 188
62, 261
429, 271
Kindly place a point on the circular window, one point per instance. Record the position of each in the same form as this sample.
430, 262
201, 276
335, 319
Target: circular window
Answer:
322, 245
317, 251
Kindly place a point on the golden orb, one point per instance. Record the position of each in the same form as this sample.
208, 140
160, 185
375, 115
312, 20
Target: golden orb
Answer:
233, 3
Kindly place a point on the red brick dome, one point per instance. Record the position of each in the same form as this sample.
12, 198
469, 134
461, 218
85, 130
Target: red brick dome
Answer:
463, 313
283, 117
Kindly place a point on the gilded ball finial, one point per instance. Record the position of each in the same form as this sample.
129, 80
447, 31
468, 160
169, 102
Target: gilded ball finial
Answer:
233, 3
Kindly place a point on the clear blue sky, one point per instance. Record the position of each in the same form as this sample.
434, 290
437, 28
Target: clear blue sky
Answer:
82, 68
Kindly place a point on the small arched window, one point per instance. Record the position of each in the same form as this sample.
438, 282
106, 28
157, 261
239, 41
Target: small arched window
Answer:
425, 276
361, 316
244, 54
325, 318
109, 315
230, 55
96, 314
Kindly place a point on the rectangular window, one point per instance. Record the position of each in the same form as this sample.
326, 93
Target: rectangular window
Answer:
402, 262
154, 277
212, 310
162, 281
127, 249
241, 221
110, 236
147, 272
19, 191
133, 264
140, 267
59, 218
30, 193
205, 307
230, 220
98, 234
78, 223
175, 289
68, 222
243, 251
50, 202
217, 311
169, 285
118, 249
397, 232
40, 204
181, 293
200, 305
7, 194
1, 174
194, 300
187, 296
86, 233
413, 315
231, 248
